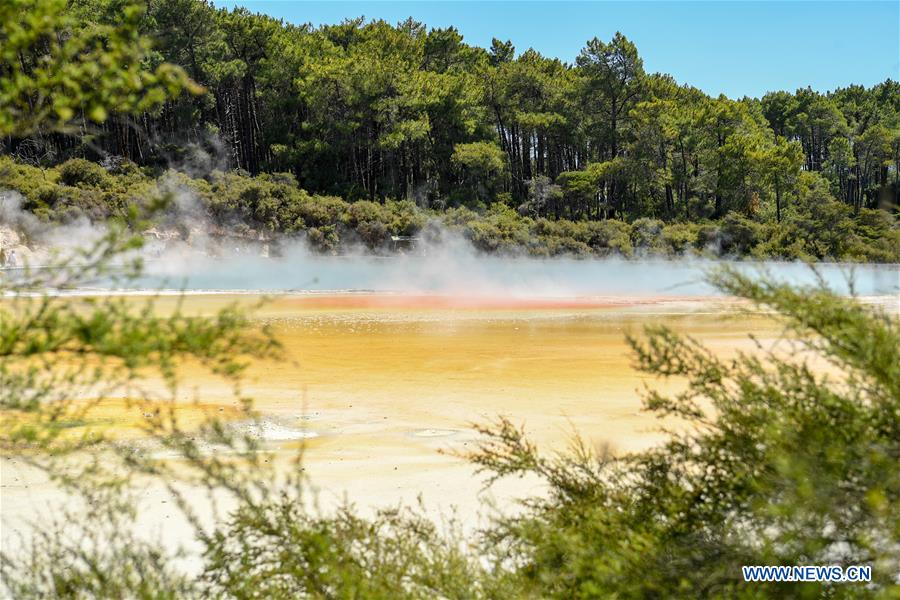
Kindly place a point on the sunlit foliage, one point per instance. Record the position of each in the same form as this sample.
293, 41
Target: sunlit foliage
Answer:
56, 70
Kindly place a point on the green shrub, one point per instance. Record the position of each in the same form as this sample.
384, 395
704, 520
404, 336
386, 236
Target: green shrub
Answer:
876, 237
610, 236
364, 211
563, 246
783, 241
79, 172
405, 217
321, 211
775, 464
36, 185
372, 233
737, 235
485, 236
679, 238
459, 216
324, 238
708, 237
646, 234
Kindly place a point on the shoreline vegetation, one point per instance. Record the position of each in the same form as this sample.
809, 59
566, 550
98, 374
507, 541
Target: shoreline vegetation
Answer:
268, 209
367, 133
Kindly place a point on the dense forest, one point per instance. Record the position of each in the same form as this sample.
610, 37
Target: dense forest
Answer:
371, 111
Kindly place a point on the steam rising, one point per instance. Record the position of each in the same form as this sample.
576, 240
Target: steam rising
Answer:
455, 269
35, 239
443, 264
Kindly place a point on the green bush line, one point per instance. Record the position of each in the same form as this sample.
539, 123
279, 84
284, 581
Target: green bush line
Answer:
815, 227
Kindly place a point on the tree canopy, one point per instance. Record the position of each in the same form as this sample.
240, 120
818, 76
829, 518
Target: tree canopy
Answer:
370, 110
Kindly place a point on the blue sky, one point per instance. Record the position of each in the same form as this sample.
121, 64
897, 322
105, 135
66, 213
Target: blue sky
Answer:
731, 47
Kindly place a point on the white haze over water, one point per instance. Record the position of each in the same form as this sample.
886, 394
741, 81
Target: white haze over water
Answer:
456, 269
446, 264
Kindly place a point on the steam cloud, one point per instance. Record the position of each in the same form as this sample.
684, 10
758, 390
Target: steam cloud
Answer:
20, 228
455, 269
443, 264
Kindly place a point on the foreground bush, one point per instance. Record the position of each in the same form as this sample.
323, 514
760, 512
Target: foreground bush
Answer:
782, 466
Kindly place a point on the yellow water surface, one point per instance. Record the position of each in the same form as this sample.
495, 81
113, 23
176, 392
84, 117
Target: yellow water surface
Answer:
381, 387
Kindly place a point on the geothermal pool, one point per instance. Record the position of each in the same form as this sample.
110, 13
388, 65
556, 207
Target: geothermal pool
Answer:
381, 387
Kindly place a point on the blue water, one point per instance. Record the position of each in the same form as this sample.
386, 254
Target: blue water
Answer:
468, 274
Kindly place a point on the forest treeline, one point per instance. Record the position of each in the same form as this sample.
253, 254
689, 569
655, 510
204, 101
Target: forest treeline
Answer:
372, 111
